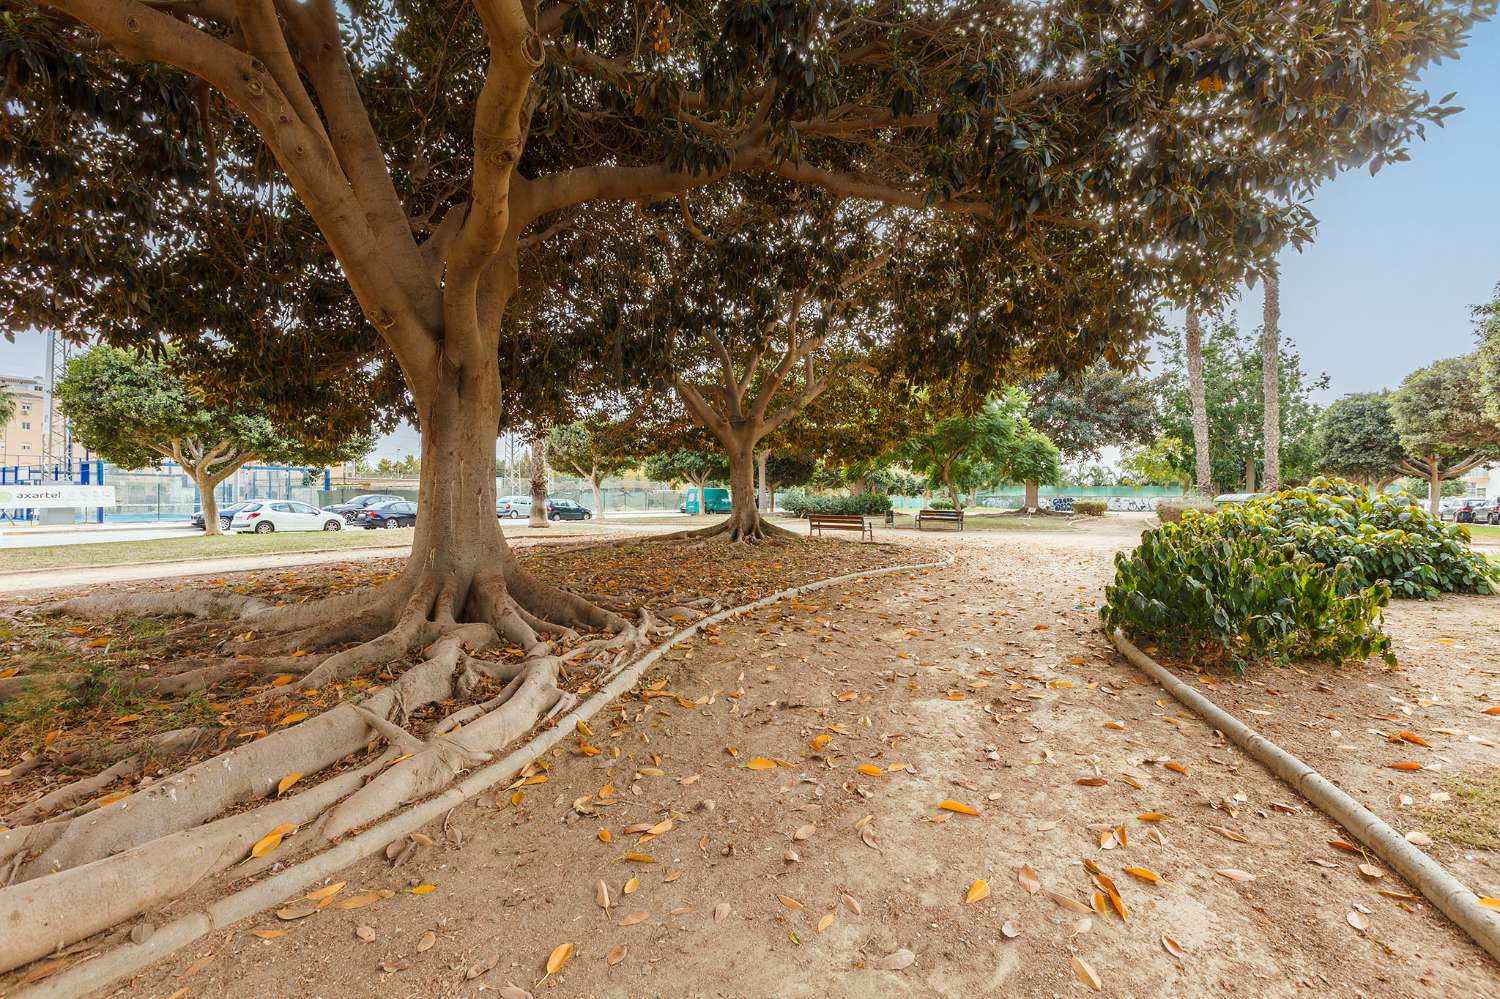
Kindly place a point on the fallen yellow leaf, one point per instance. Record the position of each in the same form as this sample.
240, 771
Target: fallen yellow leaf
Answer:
283, 785
949, 805
978, 892
271, 840
558, 957
424, 889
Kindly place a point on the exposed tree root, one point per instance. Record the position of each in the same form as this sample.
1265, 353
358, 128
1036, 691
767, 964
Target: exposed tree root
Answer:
161, 747
157, 841
15, 686
731, 529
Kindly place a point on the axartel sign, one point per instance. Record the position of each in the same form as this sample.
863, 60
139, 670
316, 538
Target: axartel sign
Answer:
59, 495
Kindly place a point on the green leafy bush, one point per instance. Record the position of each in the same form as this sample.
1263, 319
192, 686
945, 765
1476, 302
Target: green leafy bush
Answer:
1302, 574
940, 503
1090, 507
800, 503
1170, 511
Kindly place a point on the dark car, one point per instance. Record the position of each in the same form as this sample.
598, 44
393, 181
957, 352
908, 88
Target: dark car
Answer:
226, 516
1471, 510
562, 509
357, 503
395, 513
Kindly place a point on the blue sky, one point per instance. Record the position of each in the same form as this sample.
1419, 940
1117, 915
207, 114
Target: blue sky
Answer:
1399, 259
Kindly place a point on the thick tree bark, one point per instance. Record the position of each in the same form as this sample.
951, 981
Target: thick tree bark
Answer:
596, 486
953, 495
763, 490
1198, 394
1249, 473
538, 482
210, 505
1434, 485
1033, 500
1271, 379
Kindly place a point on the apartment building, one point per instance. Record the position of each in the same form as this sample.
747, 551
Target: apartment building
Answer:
23, 438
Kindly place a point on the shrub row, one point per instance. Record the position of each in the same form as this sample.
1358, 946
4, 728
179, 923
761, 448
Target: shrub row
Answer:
1302, 574
1090, 507
1170, 511
800, 503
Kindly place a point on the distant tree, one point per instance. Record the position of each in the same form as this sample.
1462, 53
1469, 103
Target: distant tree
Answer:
1192, 345
1270, 361
406, 467
131, 409
1233, 384
1439, 415
698, 468
952, 451
538, 516
1356, 439
1487, 319
1098, 408
594, 449
7, 406
1166, 461
784, 470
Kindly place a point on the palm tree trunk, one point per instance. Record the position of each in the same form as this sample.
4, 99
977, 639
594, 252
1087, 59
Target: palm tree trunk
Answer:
538, 481
1271, 380
1196, 390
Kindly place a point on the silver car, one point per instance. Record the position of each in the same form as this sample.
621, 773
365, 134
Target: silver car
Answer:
513, 507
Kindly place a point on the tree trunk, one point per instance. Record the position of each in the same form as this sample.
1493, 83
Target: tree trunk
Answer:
595, 484
1271, 380
1033, 500
952, 489
538, 481
206, 486
1197, 391
1249, 473
764, 490
1434, 484
974, 496
702, 486
859, 486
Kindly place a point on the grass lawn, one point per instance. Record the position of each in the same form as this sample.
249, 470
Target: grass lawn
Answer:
996, 521
1484, 532
116, 552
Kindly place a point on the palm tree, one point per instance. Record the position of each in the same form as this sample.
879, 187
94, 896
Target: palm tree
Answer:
1270, 351
1194, 338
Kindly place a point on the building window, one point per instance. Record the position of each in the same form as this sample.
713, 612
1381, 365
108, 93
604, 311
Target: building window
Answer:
25, 407
25, 447
25, 426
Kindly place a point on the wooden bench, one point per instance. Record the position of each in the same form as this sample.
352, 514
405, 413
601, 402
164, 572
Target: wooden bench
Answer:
941, 517
821, 522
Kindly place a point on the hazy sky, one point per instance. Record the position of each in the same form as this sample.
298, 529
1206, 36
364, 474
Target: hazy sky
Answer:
1399, 259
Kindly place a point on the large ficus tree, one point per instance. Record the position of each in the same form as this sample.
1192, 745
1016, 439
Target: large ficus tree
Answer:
1356, 439
426, 152
1439, 416
133, 410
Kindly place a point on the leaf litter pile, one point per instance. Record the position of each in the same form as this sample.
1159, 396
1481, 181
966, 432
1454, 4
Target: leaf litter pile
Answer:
937, 783
94, 713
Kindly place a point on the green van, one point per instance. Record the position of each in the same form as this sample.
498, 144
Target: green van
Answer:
716, 499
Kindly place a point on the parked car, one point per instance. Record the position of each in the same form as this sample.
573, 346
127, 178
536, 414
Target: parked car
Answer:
716, 499
564, 509
1448, 508
1491, 513
265, 516
353, 505
1471, 509
226, 516
397, 513
512, 507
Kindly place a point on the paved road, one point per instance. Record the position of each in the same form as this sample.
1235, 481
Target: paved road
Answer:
83, 534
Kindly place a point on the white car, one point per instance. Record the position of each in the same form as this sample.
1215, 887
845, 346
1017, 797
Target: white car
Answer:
265, 516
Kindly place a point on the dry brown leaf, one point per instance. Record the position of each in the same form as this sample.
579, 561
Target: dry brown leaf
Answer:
1086, 974
1171, 946
296, 912
1010, 929
631, 919
1371, 871
1235, 874
721, 912
558, 957
268, 934
1357, 919
804, 832
789, 902
327, 891
357, 901
1068, 902
1029, 880
425, 943
852, 904
1144, 873
826, 921
365, 933
601, 895
271, 840
1228, 833
615, 955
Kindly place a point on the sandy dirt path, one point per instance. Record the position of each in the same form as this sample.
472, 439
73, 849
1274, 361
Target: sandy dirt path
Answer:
987, 683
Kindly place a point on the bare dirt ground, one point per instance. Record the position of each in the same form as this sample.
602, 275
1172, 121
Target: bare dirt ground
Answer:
783, 863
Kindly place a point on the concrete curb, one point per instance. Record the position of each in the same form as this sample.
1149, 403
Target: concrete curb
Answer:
1451, 896
131, 958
